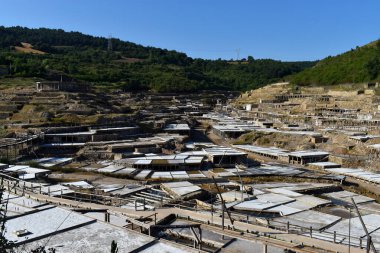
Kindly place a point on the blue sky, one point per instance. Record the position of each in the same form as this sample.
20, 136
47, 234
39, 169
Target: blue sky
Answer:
278, 29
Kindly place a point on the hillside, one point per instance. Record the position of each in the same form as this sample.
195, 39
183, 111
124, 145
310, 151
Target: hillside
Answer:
355, 66
128, 65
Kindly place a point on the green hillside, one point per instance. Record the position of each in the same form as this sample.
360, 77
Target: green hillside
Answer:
357, 65
129, 66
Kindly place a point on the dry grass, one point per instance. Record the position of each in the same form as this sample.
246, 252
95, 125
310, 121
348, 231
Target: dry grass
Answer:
27, 48
17, 83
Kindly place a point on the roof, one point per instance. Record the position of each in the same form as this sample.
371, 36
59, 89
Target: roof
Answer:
181, 189
91, 132
308, 153
263, 150
221, 151
53, 161
176, 127
263, 202
323, 164
154, 159
357, 173
24, 169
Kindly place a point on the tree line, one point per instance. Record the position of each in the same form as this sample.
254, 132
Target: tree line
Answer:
131, 66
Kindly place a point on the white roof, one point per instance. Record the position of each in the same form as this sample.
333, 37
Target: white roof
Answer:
91, 132
173, 127
324, 164
357, 173
264, 201
220, 150
263, 150
306, 153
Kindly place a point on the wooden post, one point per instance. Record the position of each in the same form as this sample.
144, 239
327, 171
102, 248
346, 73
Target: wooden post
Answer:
369, 241
200, 238
212, 213
222, 218
265, 248
222, 215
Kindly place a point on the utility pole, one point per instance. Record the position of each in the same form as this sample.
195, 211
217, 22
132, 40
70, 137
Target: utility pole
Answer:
109, 46
224, 208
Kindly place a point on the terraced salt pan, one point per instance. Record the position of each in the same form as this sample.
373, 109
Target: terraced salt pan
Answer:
167, 248
346, 196
143, 174
94, 238
307, 219
43, 223
263, 202
13, 209
125, 171
55, 190
372, 222
110, 169
200, 175
160, 174
23, 201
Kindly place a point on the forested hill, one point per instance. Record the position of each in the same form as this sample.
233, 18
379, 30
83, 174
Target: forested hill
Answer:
361, 64
50, 53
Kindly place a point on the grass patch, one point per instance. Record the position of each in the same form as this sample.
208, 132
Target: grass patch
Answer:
218, 170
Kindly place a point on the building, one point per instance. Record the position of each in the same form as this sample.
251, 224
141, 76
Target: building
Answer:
183, 129
165, 162
92, 135
271, 152
305, 157
225, 157
61, 86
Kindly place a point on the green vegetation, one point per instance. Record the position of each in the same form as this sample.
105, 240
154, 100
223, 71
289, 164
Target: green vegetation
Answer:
357, 65
129, 66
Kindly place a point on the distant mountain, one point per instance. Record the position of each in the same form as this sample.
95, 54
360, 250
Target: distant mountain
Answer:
50, 53
361, 64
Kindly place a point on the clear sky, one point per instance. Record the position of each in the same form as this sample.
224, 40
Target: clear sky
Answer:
278, 29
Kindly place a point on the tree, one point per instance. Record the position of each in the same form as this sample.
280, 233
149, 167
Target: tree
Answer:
373, 67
